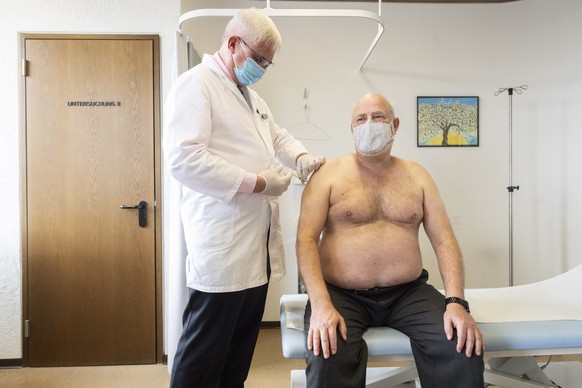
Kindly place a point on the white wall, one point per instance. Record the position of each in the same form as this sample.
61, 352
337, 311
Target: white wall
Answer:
447, 49
58, 16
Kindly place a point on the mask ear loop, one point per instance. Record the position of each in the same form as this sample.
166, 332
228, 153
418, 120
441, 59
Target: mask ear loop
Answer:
233, 45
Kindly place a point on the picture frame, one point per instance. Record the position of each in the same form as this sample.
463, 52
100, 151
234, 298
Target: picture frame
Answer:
447, 121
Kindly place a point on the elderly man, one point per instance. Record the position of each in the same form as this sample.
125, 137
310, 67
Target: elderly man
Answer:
359, 257
222, 144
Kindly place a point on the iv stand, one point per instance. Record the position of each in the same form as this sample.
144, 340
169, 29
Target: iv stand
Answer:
511, 187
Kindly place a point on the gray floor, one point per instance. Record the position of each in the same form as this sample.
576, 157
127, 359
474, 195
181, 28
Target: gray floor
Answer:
269, 370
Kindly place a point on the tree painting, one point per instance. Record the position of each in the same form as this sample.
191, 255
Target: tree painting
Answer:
448, 121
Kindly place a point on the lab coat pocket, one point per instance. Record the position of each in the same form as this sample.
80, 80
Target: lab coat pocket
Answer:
265, 131
212, 224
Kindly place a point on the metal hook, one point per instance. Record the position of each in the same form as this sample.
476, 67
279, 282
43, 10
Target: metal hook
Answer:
520, 89
517, 89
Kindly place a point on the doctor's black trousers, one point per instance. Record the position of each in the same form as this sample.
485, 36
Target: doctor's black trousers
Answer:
219, 334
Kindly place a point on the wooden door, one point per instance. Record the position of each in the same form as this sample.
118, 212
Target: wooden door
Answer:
90, 144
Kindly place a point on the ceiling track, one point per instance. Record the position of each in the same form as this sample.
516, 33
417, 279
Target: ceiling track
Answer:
272, 12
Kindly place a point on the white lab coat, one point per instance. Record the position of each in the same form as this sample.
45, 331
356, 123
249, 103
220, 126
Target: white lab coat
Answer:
212, 138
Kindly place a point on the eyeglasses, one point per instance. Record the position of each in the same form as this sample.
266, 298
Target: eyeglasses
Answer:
261, 61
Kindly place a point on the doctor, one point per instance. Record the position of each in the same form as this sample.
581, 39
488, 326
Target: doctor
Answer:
222, 145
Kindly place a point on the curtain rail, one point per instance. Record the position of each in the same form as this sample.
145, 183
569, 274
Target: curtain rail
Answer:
272, 12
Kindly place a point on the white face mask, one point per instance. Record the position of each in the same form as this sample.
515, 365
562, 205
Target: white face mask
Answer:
372, 137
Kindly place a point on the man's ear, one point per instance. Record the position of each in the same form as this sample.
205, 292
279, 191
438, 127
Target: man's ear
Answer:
232, 42
395, 124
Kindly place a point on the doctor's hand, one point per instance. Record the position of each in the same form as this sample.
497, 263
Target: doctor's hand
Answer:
469, 336
275, 184
306, 164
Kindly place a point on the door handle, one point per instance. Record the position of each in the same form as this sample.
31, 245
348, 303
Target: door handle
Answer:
142, 217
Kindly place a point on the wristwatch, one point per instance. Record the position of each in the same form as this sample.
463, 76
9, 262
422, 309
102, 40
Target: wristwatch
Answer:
455, 299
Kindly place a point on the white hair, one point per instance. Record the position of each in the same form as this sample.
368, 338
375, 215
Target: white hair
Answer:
255, 28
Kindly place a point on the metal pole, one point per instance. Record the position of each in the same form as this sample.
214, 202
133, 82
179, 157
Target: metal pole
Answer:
511, 187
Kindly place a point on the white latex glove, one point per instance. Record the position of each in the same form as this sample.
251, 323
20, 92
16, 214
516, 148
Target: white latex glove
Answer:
276, 184
308, 163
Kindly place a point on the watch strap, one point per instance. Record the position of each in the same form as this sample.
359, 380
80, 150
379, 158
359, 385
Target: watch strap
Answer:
456, 299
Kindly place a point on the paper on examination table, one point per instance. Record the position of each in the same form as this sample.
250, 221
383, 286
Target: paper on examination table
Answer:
557, 298
294, 312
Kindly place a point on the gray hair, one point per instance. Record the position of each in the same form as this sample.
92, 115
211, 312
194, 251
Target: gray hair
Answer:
255, 28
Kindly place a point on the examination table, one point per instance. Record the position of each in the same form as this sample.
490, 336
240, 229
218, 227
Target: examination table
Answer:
518, 323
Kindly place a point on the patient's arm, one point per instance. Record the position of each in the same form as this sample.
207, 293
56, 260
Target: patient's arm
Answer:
325, 321
438, 229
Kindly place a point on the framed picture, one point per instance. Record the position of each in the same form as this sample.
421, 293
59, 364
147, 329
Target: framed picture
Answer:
447, 121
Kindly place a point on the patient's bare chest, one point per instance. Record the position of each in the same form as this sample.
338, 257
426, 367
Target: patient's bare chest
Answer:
395, 202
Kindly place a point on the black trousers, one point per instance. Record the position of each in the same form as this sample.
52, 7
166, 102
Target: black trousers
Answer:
416, 309
218, 338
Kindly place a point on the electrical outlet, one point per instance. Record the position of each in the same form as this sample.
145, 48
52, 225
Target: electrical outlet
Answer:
456, 219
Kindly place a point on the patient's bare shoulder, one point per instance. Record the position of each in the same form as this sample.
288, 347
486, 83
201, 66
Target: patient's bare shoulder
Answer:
410, 165
415, 171
333, 169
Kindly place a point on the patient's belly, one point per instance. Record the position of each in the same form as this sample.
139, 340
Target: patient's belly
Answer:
371, 255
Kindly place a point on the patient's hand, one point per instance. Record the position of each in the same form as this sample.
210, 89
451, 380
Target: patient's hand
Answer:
324, 325
468, 334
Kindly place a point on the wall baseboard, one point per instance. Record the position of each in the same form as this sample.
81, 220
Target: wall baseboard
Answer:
11, 363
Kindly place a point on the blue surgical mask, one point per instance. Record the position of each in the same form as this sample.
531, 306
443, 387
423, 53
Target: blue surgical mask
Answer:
249, 73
